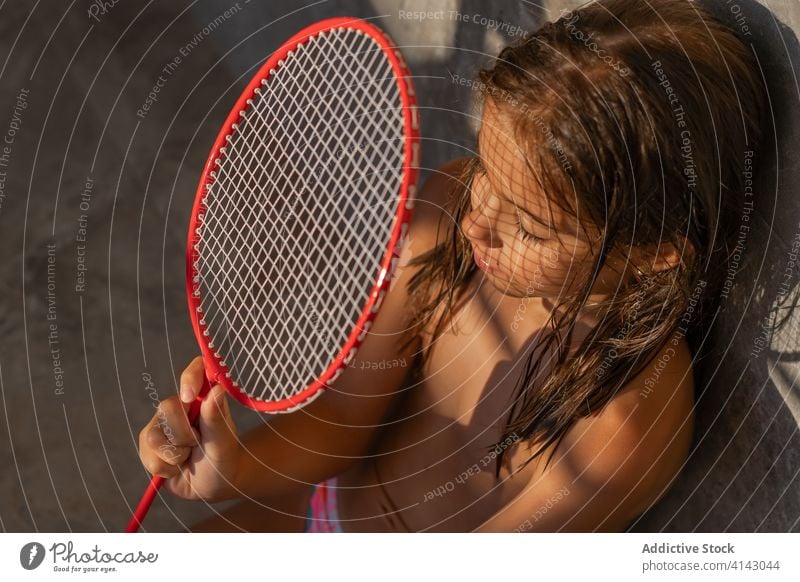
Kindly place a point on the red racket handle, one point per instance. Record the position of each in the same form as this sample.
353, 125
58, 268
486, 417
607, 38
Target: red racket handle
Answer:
156, 482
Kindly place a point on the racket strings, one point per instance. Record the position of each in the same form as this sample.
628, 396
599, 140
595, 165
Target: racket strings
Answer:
300, 212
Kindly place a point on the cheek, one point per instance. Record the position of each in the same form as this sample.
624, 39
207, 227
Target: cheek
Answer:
541, 266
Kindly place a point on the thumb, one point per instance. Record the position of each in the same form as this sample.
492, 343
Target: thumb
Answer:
217, 430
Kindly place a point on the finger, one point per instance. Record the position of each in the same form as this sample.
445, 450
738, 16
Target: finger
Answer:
192, 380
216, 425
162, 469
158, 435
171, 421
158, 444
155, 443
155, 465
172, 455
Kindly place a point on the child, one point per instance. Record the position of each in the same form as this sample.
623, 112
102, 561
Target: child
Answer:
537, 346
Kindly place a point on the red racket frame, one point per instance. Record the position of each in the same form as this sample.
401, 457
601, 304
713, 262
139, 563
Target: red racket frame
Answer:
215, 371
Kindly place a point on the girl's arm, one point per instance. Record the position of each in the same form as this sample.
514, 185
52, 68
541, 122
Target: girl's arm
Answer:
320, 440
611, 467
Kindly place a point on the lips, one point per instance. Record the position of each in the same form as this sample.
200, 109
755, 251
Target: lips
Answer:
483, 265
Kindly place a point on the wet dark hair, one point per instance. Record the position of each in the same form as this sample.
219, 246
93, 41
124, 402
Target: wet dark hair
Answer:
655, 106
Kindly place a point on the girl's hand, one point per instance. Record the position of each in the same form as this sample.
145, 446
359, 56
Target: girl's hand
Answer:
199, 463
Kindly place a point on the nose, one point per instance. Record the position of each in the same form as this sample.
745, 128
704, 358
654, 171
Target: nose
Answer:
479, 225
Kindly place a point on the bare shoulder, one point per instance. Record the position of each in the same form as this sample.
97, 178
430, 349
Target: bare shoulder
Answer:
632, 450
616, 463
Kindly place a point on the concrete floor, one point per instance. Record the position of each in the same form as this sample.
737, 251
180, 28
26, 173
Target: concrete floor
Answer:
68, 427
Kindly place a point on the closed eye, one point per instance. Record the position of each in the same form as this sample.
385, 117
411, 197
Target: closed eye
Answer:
478, 169
527, 236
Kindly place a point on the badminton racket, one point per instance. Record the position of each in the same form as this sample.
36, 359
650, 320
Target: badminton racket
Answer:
302, 208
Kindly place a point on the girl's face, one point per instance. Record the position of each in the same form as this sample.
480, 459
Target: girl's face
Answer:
525, 247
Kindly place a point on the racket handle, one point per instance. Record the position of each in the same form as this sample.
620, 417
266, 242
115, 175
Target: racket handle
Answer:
156, 482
